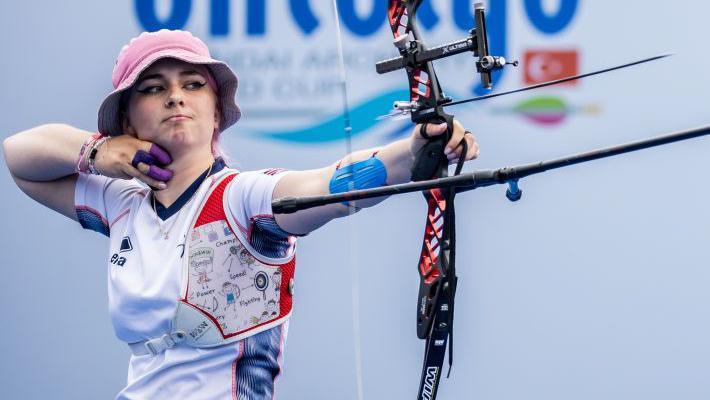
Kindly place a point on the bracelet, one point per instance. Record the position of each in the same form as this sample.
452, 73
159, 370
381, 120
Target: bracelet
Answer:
81, 163
91, 163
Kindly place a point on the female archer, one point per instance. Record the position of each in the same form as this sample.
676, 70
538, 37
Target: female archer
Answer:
154, 181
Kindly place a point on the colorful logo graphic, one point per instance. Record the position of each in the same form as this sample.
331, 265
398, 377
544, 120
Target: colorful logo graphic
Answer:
548, 65
548, 110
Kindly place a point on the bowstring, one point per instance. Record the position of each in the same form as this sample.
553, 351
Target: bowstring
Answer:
354, 272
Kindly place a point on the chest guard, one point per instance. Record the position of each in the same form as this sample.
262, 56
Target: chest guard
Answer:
229, 291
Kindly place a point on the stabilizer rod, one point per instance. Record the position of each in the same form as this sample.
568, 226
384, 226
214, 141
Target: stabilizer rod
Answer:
469, 181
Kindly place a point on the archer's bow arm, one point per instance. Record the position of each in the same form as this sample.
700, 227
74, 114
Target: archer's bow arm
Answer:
388, 165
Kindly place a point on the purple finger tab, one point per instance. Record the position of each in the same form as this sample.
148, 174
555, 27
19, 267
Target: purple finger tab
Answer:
161, 155
160, 173
142, 157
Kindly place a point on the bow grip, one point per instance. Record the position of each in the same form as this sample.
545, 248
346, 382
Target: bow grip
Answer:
430, 159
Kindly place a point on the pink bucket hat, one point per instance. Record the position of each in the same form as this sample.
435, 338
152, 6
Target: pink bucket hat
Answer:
142, 51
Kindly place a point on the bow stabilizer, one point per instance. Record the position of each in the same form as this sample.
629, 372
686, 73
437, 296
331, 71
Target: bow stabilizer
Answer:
477, 179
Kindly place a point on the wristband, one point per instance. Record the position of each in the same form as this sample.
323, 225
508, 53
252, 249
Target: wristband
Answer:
91, 158
81, 163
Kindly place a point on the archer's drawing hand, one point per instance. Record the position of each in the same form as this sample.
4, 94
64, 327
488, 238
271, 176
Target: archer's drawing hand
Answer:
454, 147
126, 157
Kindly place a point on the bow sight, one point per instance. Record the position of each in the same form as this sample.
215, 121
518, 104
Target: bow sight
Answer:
413, 54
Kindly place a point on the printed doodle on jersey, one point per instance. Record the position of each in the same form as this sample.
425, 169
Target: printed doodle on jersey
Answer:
228, 282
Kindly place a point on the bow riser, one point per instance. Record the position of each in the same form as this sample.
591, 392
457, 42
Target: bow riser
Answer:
430, 162
436, 269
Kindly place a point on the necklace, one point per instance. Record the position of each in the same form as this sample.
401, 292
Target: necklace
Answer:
166, 233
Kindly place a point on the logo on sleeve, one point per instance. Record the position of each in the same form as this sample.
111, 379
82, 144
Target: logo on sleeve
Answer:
126, 246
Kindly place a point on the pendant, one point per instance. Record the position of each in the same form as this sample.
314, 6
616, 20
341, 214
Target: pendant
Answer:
163, 233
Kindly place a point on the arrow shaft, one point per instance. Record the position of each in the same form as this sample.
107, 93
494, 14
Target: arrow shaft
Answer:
558, 81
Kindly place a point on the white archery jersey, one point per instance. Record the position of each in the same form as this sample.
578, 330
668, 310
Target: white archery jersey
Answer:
144, 276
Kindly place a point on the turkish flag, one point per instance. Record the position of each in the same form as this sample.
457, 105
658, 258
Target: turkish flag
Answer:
548, 65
